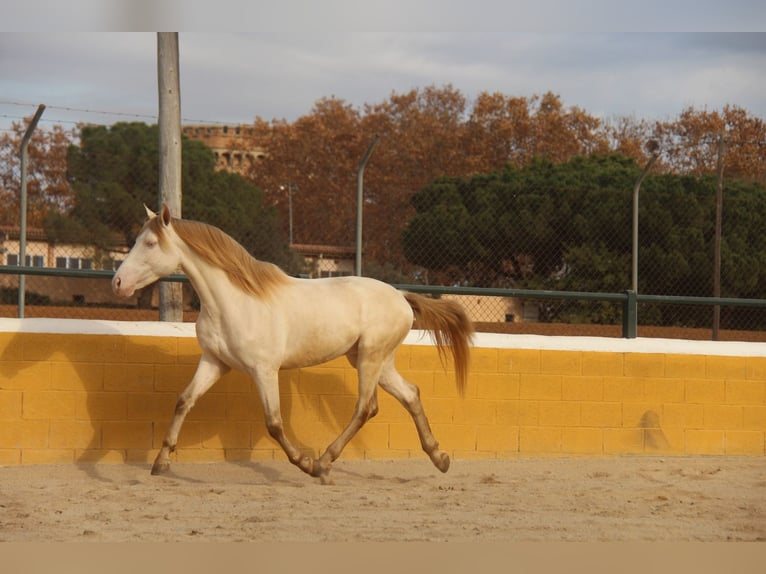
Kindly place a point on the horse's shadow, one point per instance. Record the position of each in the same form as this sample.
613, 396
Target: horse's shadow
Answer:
116, 409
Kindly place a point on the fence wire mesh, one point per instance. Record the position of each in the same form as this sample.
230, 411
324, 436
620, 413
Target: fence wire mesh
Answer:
563, 226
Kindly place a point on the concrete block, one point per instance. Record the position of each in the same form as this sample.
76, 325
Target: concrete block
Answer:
77, 376
684, 366
750, 443
10, 405
226, 435
483, 360
623, 441
126, 434
507, 413
600, 414
725, 367
519, 361
726, 417
151, 350
540, 440
754, 418
49, 405
128, 377
701, 391
75, 435
582, 388
150, 406
704, 442
682, 415
561, 362
664, 390
47, 456
100, 406
540, 387
625, 389
599, 364
582, 441
559, 414
496, 386
474, 412
745, 392
24, 434
491, 438
25, 375
644, 365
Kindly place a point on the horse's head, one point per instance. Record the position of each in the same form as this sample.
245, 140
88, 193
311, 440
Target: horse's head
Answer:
153, 256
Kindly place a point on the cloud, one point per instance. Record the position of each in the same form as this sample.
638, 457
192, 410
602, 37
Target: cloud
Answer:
234, 77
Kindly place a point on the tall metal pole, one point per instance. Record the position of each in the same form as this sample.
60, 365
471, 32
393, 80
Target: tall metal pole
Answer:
360, 202
652, 146
23, 201
171, 293
717, 241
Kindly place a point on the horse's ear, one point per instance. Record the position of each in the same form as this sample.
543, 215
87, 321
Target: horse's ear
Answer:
149, 213
165, 215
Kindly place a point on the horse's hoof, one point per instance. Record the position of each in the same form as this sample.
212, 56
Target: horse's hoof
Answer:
321, 470
307, 465
441, 461
325, 479
160, 468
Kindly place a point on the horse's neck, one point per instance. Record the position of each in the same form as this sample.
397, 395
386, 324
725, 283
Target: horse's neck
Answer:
209, 282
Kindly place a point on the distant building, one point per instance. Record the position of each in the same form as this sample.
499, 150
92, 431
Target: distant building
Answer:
40, 252
232, 145
327, 260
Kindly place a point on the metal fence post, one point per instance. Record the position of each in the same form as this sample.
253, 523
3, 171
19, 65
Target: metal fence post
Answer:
630, 315
360, 203
652, 146
23, 202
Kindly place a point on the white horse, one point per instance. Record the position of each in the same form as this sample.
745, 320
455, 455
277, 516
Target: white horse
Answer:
257, 319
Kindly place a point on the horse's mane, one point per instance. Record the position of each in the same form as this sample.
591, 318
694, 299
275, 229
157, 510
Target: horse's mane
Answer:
219, 249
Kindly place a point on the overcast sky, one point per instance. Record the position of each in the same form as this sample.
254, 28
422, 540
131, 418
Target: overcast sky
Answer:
276, 62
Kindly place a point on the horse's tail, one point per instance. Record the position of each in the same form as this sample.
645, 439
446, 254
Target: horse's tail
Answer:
451, 329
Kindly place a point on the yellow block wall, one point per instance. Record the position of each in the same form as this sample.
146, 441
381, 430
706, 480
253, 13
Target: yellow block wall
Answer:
109, 398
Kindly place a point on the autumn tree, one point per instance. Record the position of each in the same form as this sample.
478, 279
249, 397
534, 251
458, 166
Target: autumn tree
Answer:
421, 134
315, 160
47, 187
311, 166
429, 133
690, 142
497, 131
516, 130
560, 134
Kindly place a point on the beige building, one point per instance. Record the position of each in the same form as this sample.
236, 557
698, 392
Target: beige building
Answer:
327, 260
42, 253
229, 144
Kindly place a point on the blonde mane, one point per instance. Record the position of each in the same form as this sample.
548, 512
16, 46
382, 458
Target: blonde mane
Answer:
259, 278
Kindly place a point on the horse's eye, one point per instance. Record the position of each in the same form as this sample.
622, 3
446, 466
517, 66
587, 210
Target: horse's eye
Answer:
150, 243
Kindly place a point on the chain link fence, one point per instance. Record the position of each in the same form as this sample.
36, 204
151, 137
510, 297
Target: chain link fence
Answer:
543, 226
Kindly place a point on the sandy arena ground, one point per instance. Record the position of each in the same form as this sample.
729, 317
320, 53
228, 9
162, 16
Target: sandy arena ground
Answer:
542, 499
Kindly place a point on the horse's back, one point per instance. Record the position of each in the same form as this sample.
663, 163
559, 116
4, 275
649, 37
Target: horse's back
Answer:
329, 317
360, 299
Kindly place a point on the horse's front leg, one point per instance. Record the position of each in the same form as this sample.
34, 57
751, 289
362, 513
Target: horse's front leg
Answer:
267, 382
209, 370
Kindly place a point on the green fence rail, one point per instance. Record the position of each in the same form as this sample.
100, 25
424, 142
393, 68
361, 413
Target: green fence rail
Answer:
629, 300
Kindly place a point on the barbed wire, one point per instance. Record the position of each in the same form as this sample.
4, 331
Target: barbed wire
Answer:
91, 111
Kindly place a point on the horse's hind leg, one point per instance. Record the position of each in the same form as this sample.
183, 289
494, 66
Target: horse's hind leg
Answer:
209, 370
409, 395
366, 408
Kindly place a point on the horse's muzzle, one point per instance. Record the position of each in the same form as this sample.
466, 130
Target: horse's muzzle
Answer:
119, 289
